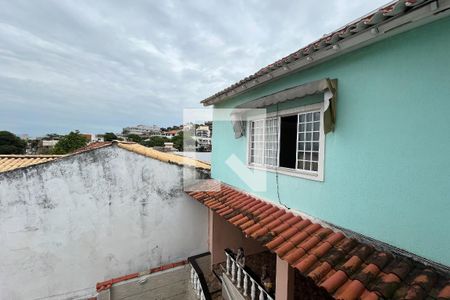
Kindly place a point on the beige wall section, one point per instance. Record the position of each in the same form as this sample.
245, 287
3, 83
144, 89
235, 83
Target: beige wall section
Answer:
224, 235
284, 281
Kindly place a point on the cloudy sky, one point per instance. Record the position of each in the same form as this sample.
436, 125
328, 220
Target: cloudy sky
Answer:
101, 65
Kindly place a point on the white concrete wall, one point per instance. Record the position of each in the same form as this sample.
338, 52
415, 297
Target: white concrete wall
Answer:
71, 223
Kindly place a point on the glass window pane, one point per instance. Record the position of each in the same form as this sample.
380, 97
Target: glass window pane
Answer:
315, 156
270, 142
307, 165
308, 156
316, 116
301, 155
308, 137
308, 141
301, 127
308, 146
316, 136
316, 126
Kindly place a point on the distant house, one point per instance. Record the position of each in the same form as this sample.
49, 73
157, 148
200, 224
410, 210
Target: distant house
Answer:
142, 130
170, 133
203, 131
67, 222
202, 144
46, 145
92, 138
332, 171
98, 138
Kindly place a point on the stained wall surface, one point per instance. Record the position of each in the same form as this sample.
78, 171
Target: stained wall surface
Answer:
68, 224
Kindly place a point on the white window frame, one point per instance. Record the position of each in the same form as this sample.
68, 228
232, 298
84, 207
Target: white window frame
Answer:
312, 175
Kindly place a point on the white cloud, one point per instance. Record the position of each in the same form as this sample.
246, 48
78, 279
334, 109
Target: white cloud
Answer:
102, 65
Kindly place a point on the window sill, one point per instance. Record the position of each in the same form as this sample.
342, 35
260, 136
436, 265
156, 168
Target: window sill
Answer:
289, 172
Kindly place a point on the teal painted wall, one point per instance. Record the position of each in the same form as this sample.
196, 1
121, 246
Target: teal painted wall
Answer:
387, 165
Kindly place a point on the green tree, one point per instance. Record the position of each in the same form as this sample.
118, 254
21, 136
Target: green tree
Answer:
183, 139
155, 141
109, 136
11, 144
134, 138
70, 143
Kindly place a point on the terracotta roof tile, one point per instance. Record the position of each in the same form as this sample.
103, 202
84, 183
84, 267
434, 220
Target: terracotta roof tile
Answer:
271, 222
346, 268
276, 242
367, 274
289, 232
247, 225
368, 295
238, 219
302, 224
386, 285
351, 265
293, 255
299, 237
12, 162
309, 243
334, 238
93, 146
285, 248
306, 262
164, 156
334, 281
400, 268
352, 290
445, 292
321, 249
319, 271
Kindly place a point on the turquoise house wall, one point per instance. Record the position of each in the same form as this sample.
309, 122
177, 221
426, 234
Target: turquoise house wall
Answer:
387, 165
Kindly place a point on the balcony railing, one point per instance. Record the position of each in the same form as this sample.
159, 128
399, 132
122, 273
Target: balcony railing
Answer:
245, 282
198, 281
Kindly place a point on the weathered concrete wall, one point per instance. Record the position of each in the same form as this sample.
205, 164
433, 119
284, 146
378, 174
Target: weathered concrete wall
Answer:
68, 224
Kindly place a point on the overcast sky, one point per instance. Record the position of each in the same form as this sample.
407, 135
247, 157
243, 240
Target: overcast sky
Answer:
100, 65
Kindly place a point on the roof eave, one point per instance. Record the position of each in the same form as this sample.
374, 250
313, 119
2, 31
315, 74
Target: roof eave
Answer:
426, 14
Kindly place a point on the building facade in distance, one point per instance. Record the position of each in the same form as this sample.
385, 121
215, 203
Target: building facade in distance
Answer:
142, 130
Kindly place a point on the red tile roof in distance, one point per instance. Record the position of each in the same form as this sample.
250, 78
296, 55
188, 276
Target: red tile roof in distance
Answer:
345, 267
93, 146
383, 14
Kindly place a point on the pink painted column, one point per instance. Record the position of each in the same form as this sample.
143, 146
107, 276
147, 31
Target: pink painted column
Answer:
222, 234
284, 289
